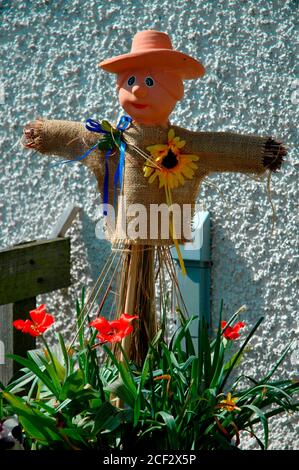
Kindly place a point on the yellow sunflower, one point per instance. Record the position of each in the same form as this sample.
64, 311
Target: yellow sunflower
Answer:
170, 164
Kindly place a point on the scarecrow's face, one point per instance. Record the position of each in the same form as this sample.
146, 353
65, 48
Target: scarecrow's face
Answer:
149, 95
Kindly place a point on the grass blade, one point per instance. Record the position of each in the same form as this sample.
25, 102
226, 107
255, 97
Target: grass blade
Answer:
37, 371
263, 419
240, 352
278, 362
171, 429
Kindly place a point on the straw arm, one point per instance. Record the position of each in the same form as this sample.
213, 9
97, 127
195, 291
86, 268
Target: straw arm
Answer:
66, 139
273, 155
232, 152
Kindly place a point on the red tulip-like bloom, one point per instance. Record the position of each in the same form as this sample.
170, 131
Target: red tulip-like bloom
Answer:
39, 323
113, 331
232, 332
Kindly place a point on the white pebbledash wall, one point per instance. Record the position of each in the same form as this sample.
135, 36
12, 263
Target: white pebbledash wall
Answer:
48, 57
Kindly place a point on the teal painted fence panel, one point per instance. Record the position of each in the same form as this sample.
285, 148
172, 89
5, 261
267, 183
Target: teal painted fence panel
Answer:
195, 286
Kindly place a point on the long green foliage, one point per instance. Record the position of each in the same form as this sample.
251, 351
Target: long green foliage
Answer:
178, 400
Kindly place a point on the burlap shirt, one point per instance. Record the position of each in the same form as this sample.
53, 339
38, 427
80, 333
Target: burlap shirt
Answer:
218, 152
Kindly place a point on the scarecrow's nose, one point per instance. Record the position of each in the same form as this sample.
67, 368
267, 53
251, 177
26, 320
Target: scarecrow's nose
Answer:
139, 91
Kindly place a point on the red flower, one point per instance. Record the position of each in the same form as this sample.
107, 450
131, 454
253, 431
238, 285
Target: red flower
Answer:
39, 323
113, 331
232, 332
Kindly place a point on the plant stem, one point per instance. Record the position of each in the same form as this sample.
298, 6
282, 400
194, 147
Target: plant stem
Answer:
49, 352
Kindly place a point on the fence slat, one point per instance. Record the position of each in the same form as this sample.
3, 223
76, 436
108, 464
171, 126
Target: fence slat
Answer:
34, 268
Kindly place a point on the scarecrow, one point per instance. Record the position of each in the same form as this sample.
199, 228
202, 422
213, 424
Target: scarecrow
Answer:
150, 162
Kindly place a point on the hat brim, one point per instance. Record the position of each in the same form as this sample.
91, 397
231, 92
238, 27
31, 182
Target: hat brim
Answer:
184, 65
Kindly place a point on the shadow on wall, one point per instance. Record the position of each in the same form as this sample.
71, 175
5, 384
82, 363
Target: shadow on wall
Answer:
233, 281
97, 253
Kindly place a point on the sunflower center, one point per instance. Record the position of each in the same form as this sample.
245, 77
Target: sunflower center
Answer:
170, 160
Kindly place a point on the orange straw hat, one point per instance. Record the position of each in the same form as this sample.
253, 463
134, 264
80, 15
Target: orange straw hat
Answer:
153, 48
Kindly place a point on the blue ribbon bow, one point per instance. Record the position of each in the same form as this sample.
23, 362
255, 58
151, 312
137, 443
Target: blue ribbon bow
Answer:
95, 126
122, 125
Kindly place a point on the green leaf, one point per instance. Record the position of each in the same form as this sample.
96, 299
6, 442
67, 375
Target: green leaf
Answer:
37, 371
34, 386
72, 386
257, 439
39, 405
233, 317
275, 412
263, 419
200, 361
218, 372
181, 419
218, 356
50, 367
206, 355
65, 354
194, 378
157, 427
80, 324
120, 389
283, 355
152, 387
34, 428
184, 366
108, 418
169, 358
239, 353
219, 327
190, 351
62, 405
143, 377
125, 373
73, 434
106, 126
83, 297
234, 361
18, 384
177, 369
171, 429
106, 144
270, 388
37, 424
155, 341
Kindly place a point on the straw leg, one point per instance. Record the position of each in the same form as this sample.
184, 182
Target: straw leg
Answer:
127, 304
130, 303
136, 289
146, 302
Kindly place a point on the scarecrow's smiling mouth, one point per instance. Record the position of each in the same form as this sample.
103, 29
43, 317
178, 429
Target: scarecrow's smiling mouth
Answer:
139, 106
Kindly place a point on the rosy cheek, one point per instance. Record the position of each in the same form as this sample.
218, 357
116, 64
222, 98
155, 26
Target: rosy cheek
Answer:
124, 95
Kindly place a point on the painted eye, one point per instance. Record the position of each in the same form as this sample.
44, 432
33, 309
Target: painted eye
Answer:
131, 80
149, 81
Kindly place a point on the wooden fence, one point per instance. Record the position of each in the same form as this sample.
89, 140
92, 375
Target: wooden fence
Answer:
26, 271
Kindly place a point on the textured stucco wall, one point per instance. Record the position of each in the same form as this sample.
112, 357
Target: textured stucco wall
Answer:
48, 56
